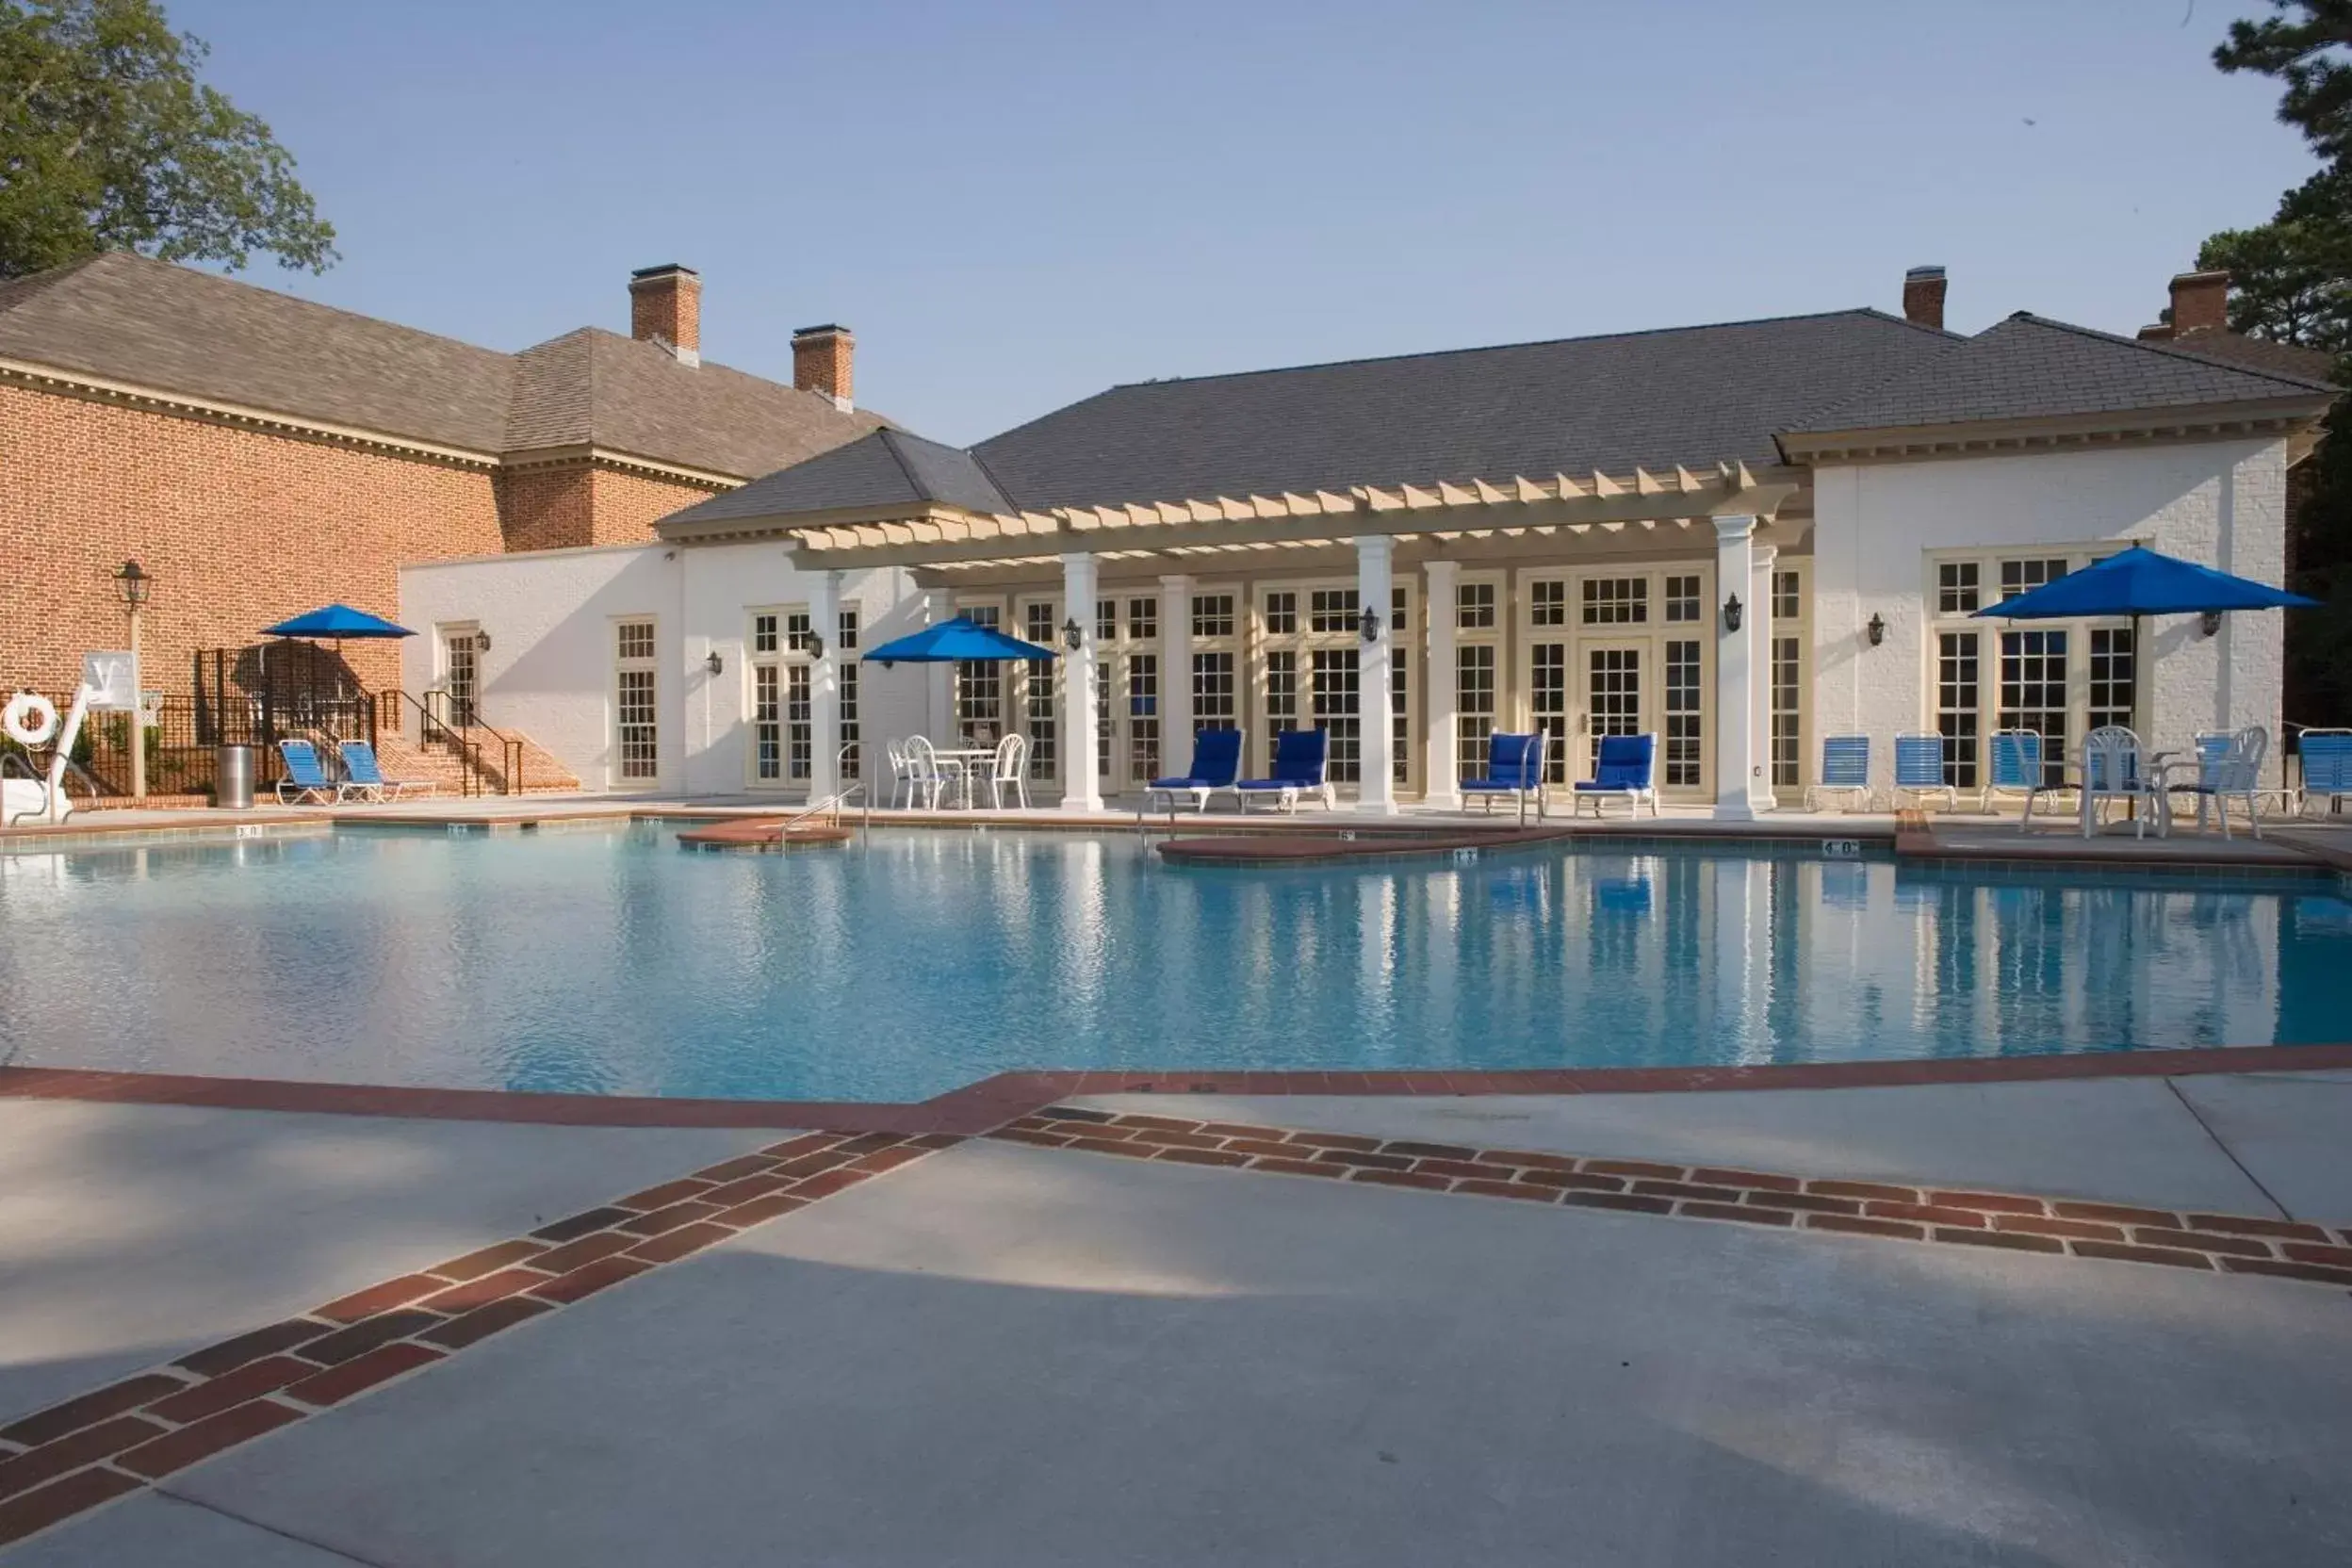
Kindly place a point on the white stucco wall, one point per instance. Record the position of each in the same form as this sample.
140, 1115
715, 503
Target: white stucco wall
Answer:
2221, 503
550, 669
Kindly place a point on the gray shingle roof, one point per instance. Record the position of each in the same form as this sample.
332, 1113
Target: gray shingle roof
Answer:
1691, 395
889, 467
128, 319
2029, 366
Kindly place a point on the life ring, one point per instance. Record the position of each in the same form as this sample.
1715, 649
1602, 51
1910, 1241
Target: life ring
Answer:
30, 719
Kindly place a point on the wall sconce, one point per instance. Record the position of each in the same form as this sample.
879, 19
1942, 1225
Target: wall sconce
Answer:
814, 643
1074, 635
714, 663
1731, 614
1877, 629
481, 642
2210, 623
1369, 624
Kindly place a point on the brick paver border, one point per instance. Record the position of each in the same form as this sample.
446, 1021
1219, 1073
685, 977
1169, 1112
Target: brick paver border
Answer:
60, 1462
2230, 1244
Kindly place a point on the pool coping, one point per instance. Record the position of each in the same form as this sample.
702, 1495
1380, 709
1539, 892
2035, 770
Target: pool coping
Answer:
990, 1101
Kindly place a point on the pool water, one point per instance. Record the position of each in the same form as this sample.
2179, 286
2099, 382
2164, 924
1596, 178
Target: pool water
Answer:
608, 961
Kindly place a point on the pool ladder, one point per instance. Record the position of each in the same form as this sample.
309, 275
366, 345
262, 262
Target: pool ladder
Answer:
834, 803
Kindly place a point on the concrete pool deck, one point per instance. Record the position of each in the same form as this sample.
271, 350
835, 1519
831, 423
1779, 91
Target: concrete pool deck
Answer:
1002, 1353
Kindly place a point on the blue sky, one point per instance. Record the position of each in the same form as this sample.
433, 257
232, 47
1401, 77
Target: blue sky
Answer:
1015, 204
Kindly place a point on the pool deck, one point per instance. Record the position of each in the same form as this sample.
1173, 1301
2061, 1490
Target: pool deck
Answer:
2049, 1310
1022, 1349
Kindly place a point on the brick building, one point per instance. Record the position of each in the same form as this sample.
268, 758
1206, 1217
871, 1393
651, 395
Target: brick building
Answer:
262, 455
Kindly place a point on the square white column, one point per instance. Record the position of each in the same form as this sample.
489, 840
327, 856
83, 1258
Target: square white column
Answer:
1439, 769
1759, 598
1376, 743
1175, 674
825, 685
1735, 672
1082, 791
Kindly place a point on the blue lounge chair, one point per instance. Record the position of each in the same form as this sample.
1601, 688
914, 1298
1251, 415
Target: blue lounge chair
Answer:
305, 778
2325, 755
1216, 765
1625, 769
363, 775
1845, 768
1300, 767
2016, 770
1920, 769
1514, 767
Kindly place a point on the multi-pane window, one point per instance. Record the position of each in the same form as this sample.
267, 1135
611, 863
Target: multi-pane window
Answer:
1548, 602
2023, 577
1143, 714
1335, 711
845, 672
1213, 694
980, 688
1331, 610
2034, 693
1682, 598
1683, 714
1037, 624
2112, 677
1612, 696
1213, 614
1474, 708
796, 631
1399, 688
1787, 595
1787, 708
1281, 614
634, 707
1143, 619
1956, 711
1107, 620
1282, 690
1548, 704
1616, 600
763, 632
767, 733
1956, 588
798, 730
1474, 606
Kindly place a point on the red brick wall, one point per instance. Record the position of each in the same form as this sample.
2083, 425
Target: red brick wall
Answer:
240, 528
547, 509
628, 505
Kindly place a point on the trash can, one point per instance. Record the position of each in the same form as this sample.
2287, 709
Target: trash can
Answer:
232, 777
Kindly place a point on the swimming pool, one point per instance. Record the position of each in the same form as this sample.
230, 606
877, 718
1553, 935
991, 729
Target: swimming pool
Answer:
607, 961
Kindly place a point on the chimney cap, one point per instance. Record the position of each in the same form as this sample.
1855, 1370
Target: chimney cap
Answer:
1923, 273
667, 269
820, 330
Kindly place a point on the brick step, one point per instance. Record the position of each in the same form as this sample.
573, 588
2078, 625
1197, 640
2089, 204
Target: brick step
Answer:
542, 773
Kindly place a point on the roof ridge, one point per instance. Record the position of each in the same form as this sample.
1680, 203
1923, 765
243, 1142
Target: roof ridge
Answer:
15, 291
300, 302
2157, 347
889, 444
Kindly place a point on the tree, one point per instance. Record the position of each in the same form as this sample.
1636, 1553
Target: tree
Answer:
2308, 51
109, 141
2290, 280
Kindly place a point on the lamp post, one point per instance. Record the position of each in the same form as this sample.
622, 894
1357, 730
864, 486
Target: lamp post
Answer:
135, 583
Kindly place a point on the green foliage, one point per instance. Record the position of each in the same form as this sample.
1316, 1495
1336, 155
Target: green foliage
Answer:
2306, 47
2291, 280
109, 141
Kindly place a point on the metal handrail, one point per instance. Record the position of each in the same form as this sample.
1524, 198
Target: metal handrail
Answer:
475, 773
834, 803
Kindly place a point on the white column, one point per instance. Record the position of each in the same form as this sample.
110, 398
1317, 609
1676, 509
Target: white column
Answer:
1175, 674
1759, 598
939, 696
825, 685
1080, 790
1735, 678
1375, 558
1444, 689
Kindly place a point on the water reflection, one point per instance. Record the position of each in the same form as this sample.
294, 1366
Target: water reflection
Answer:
611, 963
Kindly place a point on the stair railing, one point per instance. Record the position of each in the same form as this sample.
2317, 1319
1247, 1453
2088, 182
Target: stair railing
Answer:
466, 736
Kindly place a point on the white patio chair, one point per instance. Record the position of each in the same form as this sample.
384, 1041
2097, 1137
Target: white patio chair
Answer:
2231, 770
2113, 769
902, 776
927, 776
1012, 767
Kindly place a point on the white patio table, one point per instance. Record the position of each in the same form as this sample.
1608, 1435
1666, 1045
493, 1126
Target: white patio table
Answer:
967, 760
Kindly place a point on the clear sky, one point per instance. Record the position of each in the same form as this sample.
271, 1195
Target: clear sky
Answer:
1017, 203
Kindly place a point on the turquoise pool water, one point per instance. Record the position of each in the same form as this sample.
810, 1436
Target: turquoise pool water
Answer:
608, 961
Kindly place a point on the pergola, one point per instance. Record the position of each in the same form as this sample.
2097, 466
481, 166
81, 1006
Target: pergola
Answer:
936, 538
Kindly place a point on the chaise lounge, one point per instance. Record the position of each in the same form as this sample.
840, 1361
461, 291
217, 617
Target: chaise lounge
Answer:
1216, 765
1300, 767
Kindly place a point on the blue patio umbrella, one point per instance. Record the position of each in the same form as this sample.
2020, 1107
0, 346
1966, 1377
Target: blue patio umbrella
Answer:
953, 642
336, 621
2138, 581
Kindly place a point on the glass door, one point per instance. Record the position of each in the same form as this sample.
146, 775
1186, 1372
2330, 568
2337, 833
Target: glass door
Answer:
460, 663
1127, 692
1613, 695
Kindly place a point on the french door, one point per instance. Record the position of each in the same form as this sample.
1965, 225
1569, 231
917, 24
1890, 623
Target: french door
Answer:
1614, 690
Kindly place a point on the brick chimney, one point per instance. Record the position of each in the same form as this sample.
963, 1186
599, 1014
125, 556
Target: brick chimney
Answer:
1924, 297
2200, 302
822, 359
665, 307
